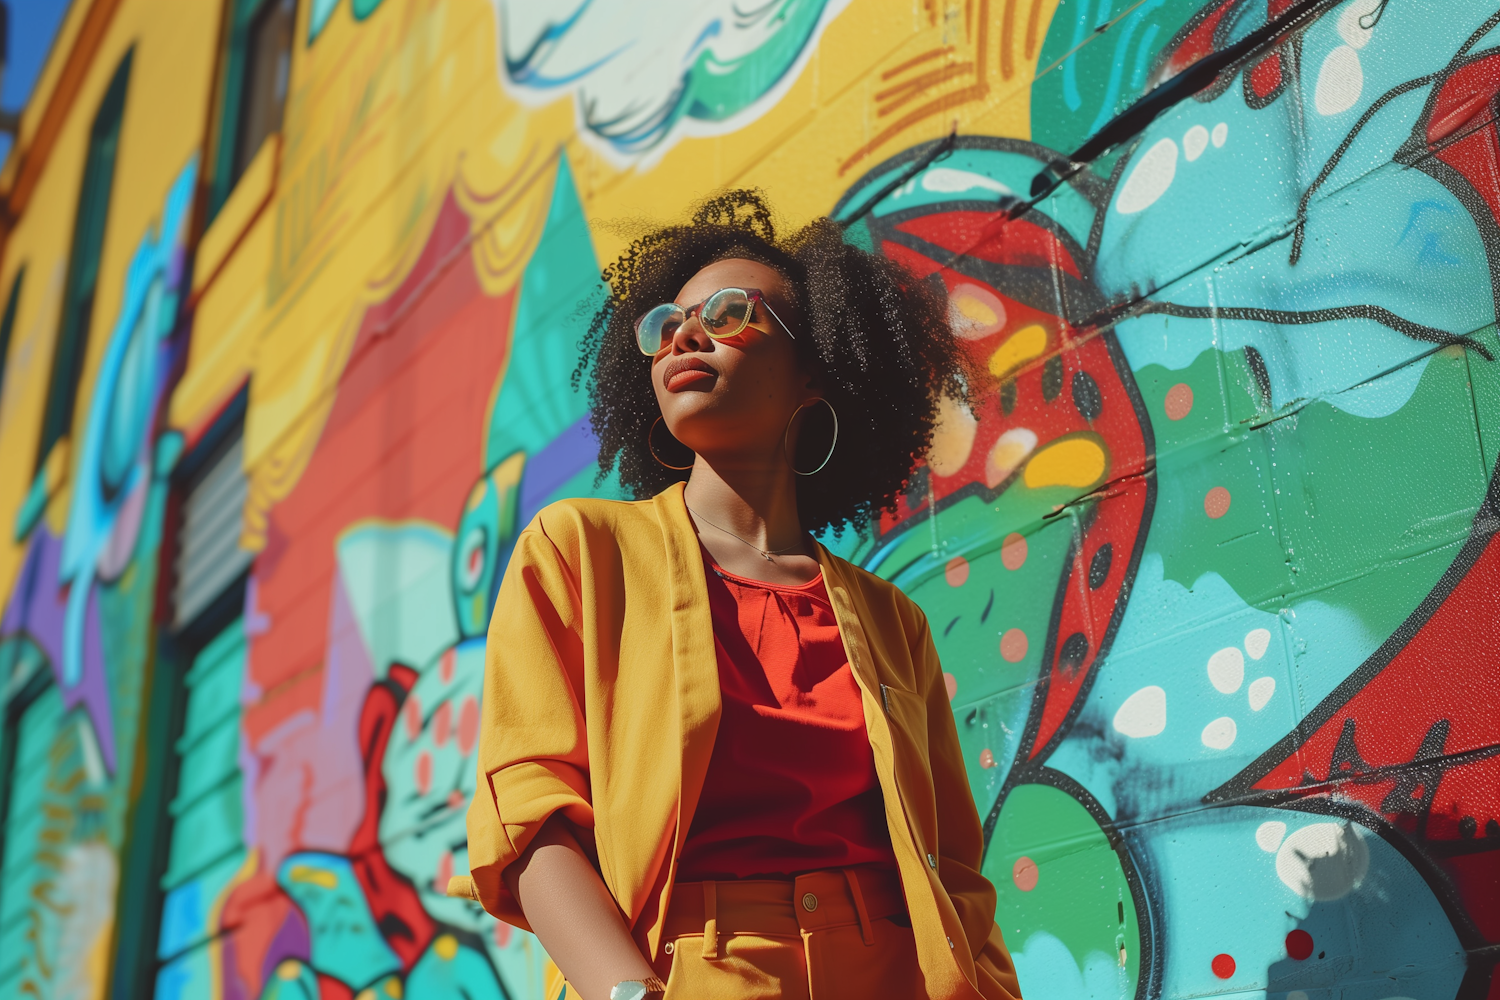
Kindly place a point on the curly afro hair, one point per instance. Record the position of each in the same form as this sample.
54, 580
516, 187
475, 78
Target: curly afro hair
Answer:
878, 337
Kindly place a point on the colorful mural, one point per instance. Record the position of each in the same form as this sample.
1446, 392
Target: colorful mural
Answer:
1210, 565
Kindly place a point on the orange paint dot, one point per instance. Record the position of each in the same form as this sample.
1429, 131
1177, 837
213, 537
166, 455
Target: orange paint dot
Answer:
1216, 502
468, 724
986, 758
1013, 551
951, 683
957, 571
1025, 874
1013, 645
1179, 401
422, 772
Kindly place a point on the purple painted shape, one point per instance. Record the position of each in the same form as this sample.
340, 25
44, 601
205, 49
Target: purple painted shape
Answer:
572, 451
37, 609
292, 940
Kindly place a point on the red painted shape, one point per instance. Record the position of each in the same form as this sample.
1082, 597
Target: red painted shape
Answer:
1119, 515
1198, 42
1464, 98
393, 900
1266, 77
1299, 944
404, 441
1223, 966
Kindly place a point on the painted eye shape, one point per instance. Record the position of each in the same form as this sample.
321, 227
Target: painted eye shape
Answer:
472, 558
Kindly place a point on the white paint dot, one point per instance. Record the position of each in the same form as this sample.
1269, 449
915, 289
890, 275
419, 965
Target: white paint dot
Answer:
949, 181
1220, 733
1261, 690
1143, 713
1350, 30
1268, 835
1323, 861
1221, 132
1149, 178
1194, 142
1257, 641
1226, 669
1340, 81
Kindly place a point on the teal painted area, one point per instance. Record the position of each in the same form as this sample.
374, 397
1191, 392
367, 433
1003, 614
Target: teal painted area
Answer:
346, 944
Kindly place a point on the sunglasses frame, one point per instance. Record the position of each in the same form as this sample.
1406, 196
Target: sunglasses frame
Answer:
754, 295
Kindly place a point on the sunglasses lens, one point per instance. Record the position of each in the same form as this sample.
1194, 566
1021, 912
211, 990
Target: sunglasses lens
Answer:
727, 312
657, 326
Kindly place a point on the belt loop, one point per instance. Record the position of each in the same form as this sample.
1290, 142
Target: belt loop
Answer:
710, 920
852, 877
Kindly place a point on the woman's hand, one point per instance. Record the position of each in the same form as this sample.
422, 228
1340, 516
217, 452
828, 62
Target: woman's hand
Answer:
572, 913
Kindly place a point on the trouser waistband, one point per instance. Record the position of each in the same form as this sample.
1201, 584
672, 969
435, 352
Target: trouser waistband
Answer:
815, 901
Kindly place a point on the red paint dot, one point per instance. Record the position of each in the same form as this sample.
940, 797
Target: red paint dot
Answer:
1179, 401
986, 758
444, 872
1216, 502
1299, 944
957, 571
422, 772
445, 666
1013, 551
502, 933
468, 724
413, 713
1013, 645
1025, 874
1223, 966
951, 683
442, 723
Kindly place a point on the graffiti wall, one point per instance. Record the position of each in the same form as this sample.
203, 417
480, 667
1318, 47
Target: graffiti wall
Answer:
1211, 565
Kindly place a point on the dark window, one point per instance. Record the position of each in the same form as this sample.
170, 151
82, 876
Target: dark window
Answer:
257, 69
186, 830
83, 264
8, 321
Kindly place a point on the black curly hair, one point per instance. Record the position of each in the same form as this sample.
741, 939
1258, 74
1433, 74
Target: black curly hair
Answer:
878, 337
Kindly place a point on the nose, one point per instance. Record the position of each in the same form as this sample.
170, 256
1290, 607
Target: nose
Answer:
690, 336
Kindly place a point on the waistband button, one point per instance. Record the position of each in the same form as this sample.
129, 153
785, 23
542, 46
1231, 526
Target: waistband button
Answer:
809, 902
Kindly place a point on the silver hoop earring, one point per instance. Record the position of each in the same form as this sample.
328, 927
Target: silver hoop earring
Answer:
786, 434
651, 447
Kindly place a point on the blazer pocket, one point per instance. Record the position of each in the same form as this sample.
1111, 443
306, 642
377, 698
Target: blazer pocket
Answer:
906, 713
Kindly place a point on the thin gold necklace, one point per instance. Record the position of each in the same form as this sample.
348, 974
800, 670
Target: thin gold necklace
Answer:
765, 554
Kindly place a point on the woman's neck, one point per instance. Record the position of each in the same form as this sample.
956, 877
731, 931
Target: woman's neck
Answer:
746, 515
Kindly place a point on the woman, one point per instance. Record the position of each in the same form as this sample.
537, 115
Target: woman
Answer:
713, 753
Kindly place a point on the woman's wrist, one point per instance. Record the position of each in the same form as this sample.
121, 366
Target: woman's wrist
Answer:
638, 989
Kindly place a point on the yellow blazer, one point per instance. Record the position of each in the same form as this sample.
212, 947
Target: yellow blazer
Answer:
601, 701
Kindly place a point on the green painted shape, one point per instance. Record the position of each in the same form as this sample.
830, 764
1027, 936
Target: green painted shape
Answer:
719, 88
536, 401
1081, 896
1484, 376
1365, 513
1105, 73
26, 926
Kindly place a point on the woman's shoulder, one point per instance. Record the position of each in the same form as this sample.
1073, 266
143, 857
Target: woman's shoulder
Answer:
577, 522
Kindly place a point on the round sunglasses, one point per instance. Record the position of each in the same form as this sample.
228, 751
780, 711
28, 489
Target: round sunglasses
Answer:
723, 314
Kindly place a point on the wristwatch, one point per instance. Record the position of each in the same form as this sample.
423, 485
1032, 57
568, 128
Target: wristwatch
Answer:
638, 989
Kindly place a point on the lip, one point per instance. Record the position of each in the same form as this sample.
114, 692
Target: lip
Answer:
686, 373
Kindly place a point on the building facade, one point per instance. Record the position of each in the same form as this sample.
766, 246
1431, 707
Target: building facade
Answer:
292, 292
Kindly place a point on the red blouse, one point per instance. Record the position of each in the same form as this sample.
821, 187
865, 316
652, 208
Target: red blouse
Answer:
791, 786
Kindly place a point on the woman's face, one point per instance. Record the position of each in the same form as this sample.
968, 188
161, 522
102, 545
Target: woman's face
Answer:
733, 396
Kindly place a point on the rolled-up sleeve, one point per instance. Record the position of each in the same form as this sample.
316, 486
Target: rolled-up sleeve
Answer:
533, 744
